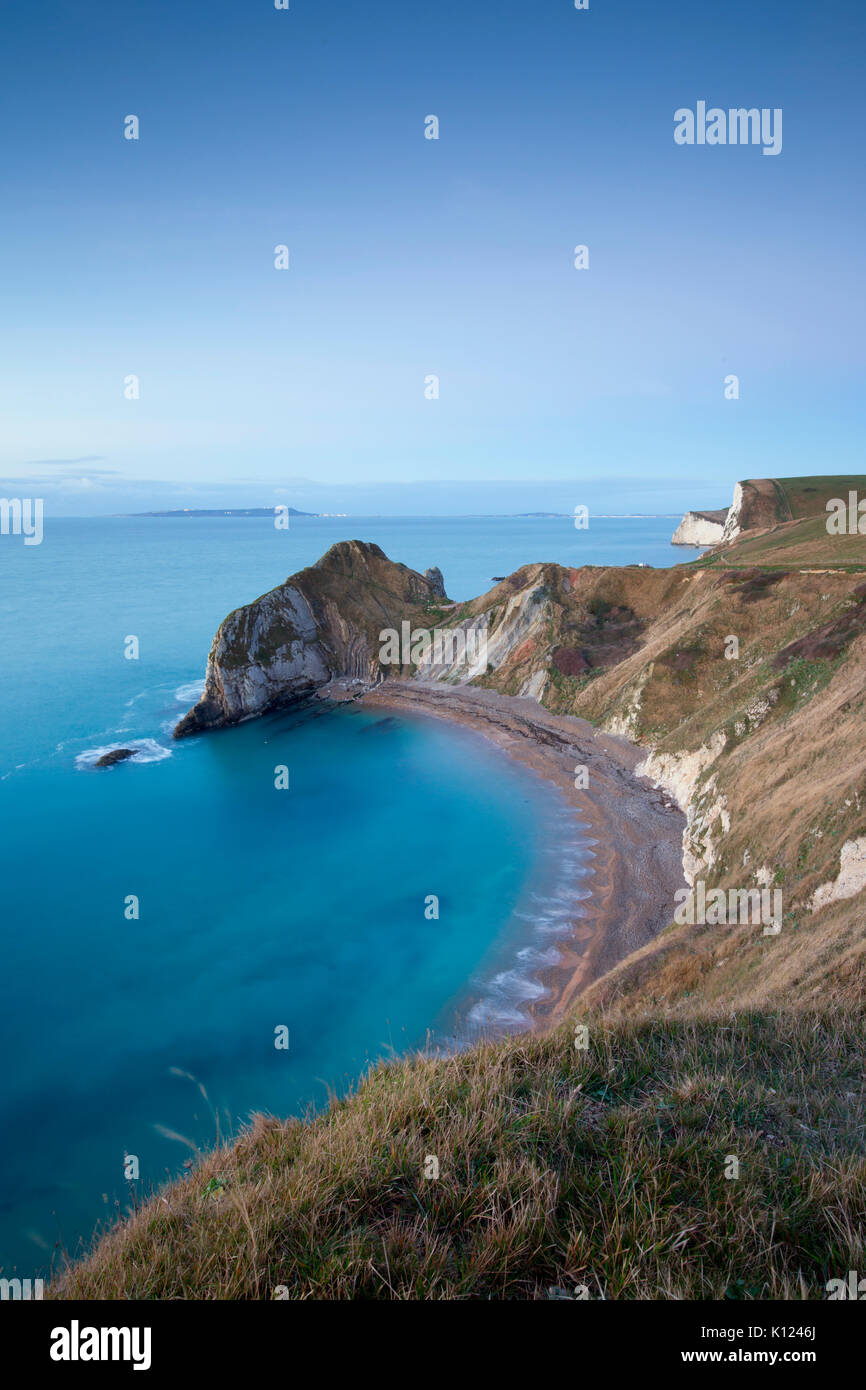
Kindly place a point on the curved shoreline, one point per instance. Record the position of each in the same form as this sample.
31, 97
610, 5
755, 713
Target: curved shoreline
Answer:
635, 832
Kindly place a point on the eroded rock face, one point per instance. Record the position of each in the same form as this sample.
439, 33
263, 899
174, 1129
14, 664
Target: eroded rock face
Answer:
489, 645
323, 623
733, 524
850, 880
826, 642
264, 654
679, 775
434, 578
700, 528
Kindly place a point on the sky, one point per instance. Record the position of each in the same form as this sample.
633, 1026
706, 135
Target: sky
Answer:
412, 257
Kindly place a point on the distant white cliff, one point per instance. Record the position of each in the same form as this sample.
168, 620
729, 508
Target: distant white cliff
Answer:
701, 528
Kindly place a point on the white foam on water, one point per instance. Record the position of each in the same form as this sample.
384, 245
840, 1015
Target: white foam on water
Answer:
503, 997
488, 1013
146, 750
536, 957
502, 1000
189, 693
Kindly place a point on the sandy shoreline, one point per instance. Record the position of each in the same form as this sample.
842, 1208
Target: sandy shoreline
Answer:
634, 832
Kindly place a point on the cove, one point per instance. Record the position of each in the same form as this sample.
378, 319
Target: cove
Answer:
259, 909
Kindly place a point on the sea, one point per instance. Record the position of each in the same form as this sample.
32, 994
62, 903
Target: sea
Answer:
185, 943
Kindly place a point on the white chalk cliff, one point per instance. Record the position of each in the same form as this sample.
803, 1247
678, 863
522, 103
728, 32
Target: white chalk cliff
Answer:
700, 528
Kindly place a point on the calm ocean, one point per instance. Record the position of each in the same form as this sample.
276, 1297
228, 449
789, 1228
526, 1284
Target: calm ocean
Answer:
258, 908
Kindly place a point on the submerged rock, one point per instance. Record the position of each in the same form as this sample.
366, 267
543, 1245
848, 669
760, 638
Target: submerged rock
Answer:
117, 755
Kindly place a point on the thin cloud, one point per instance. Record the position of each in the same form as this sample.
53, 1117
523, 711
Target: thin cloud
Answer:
66, 463
56, 479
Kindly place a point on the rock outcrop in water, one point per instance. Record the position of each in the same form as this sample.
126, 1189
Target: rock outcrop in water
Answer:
322, 624
116, 755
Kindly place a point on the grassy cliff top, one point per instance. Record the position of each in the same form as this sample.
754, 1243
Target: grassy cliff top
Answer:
808, 496
784, 524
804, 544
557, 1168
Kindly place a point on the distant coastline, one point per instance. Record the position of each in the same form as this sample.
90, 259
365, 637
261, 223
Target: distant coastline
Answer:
229, 511
505, 516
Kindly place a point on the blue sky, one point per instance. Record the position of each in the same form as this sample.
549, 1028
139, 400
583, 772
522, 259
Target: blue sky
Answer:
411, 257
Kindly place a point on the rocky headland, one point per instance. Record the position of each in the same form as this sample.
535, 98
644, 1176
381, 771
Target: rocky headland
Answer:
322, 624
735, 736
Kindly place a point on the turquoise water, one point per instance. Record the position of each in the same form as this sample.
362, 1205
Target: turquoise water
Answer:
258, 907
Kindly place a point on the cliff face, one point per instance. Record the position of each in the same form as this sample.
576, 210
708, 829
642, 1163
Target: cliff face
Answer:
736, 518
758, 739
643, 653
322, 623
701, 528
758, 504
435, 580
777, 505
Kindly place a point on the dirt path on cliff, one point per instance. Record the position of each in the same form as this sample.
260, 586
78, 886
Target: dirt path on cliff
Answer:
634, 831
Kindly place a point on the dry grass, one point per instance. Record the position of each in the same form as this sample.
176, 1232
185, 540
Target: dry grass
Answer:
558, 1168
804, 543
